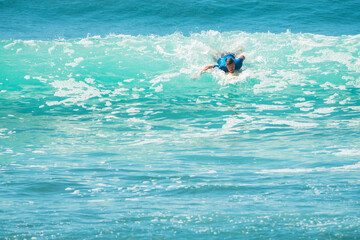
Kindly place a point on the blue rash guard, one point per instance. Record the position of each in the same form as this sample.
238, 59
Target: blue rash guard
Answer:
222, 62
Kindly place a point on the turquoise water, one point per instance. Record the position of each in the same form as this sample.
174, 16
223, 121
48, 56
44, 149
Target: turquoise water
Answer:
118, 135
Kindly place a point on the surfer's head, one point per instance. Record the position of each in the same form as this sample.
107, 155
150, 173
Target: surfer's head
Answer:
230, 65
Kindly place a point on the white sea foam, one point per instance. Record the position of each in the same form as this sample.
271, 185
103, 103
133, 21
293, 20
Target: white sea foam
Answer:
133, 110
309, 170
85, 42
41, 79
76, 62
75, 91
324, 110
308, 104
348, 152
51, 49
89, 80
164, 78
8, 46
262, 107
231, 122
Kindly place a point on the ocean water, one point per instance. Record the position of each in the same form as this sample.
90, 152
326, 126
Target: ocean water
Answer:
108, 130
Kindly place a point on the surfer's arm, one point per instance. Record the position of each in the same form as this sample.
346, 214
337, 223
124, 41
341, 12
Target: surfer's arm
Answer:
240, 59
208, 67
239, 62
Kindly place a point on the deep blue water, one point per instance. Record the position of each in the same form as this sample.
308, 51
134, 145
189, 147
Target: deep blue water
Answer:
72, 19
107, 129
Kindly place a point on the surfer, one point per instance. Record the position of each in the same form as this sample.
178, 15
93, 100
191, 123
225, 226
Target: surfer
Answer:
227, 62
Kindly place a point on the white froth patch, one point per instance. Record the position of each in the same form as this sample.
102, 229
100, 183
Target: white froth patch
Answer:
51, 49
356, 108
158, 88
76, 62
96, 201
69, 51
76, 91
324, 110
89, 80
139, 123
85, 42
162, 51
344, 58
136, 120
53, 103
131, 199
41, 79
231, 122
129, 80
186, 51
133, 110
111, 117
308, 104
291, 77
2, 130
39, 151
135, 96
120, 91
309, 170
269, 85
348, 152
199, 101
101, 135
9, 45
343, 102
8, 151
30, 43
149, 141
330, 99
138, 89
328, 86
262, 107
164, 78
95, 190
27, 77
